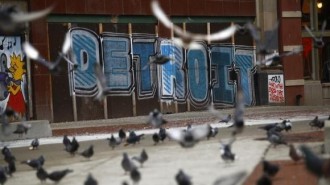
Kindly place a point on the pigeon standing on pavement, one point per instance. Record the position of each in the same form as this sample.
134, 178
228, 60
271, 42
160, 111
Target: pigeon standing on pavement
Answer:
225, 151
294, 154
274, 126
122, 134
66, 141
275, 138
270, 169
188, 138
142, 158
127, 164
182, 178
155, 138
88, 153
113, 142
34, 144
90, 180
8, 156
316, 123
226, 120
162, 134
135, 176
57, 176
41, 174
156, 119
35, 163
10, 168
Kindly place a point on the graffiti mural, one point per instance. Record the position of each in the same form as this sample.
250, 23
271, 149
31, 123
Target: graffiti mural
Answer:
12, 75
276, 89
204, 74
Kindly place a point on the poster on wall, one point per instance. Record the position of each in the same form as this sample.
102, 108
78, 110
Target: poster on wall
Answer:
276, 88
12, 75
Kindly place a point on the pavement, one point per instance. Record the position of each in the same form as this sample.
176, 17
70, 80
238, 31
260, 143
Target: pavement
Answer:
202, 162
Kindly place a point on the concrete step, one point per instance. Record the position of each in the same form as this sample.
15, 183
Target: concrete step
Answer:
39, 128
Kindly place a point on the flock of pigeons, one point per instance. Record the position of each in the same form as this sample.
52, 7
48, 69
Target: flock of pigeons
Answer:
13, 21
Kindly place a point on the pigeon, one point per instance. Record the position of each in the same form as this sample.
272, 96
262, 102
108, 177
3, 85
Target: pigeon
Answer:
90, 180
264, 180
226, 120
294, 154
57, 176
34, 144
316, 165
53, 67
7, 114
8, 156
88, 153
162, 134
318, 41
213, 131
286, 125
187, 38
35, 163
22, 128
66, 141
239, 112
316, 123
135, 175
41, 174
101, 83
182, 178
156, 119
122, 134
270, 169
133, 138
188, 138
72, 148
142, 158
155, 138
14, 21
127, 164
10, 168
113, 142
3, 177
275, 138
225, 151
274, 60
159, 59
231, 179
270, 126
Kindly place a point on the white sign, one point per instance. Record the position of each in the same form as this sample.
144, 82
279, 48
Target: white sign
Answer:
276, 89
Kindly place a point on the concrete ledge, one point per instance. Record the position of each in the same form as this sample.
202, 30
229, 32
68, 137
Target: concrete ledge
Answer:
327, 136
39, 129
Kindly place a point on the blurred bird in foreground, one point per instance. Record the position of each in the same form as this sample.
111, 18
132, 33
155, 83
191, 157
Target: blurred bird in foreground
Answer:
156, 119
142, 158
182, 178
294, 153
90, 180
57, 176
188, 138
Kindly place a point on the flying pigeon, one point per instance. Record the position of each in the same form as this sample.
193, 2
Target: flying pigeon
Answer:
53, 67
14, 21
34, 144
22, 128
225, 150
142, 158
182, 178
156, 119
101, 82
270, 169
213, 131
135, 175
159, 59
113, 142
318, 41
275, 59
188, 138
90, 180
88, 153
219, 115
41, 174
35, 163
187, 38
127, 164
57, 176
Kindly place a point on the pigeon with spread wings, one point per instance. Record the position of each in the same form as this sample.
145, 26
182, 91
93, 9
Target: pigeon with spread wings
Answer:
318, 41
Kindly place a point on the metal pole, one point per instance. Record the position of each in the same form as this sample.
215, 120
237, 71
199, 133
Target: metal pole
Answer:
133, 92
105, 100
29, 79
74, 100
